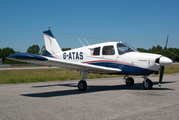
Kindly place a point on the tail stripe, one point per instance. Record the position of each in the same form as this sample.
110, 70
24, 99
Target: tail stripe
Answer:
49, 33
50, 55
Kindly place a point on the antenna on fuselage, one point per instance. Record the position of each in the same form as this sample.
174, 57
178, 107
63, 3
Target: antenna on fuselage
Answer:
86, 41
81, 42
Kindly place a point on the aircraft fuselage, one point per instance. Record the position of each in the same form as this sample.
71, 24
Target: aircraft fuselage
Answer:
130, 61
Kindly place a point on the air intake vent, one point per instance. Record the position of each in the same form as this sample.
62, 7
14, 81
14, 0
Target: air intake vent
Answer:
157, 60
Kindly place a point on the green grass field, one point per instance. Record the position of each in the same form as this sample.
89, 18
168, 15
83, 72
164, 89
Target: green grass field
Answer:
57, 74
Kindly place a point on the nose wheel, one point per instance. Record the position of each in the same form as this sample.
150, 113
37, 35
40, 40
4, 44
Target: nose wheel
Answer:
147, 84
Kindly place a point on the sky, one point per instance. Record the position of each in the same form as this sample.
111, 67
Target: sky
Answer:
139, 23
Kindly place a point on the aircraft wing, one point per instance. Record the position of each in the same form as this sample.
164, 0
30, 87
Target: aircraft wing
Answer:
43, 60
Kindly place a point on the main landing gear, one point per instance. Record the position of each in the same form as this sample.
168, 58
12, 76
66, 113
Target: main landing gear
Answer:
129, 81
147, 83
82, 85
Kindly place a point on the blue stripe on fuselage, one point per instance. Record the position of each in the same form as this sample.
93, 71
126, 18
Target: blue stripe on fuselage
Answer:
126, 69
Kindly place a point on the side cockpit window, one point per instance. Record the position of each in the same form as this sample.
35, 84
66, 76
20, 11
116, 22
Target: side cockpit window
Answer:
108, 50
95, 51
122, 48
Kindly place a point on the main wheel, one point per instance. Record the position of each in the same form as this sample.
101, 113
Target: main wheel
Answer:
148, 85
129, 81
82, 85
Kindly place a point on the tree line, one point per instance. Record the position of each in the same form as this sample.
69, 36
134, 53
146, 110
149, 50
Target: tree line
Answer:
172, 53
34, 49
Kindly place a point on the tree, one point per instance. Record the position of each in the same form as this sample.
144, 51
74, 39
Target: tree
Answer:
34, 49
5, 52
141, 50
43, 51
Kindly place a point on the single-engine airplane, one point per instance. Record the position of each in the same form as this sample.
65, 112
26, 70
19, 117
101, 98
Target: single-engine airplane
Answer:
107, 58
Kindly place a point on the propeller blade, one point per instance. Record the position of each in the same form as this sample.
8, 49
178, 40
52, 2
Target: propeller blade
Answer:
162, 67
166, 45
161, 75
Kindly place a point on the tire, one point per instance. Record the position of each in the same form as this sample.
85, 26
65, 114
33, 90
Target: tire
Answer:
149, 84
129, 81
82, 85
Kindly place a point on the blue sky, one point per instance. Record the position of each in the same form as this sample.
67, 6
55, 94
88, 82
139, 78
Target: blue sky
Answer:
140, 23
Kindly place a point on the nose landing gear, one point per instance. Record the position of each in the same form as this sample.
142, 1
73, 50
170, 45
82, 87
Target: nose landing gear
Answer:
147, 84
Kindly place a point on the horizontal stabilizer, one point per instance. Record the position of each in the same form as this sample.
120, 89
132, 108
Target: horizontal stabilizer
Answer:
26, 56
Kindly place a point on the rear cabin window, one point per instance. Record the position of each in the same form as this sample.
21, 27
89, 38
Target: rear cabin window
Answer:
108, 50
95, 51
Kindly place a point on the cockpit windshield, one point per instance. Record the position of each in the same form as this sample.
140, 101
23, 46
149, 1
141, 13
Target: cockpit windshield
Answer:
123, 48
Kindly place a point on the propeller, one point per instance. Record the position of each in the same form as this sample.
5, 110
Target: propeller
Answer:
162, 67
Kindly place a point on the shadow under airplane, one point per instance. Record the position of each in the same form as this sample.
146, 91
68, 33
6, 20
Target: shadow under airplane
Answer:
90, 89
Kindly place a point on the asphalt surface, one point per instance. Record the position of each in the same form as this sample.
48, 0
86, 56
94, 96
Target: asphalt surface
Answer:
104, 99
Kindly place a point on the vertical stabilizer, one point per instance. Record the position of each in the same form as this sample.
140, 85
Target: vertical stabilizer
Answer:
51, 44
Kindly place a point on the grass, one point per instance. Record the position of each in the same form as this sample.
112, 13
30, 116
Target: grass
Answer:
174, 68
42, 75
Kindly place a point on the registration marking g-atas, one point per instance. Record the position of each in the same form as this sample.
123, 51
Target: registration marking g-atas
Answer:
73, 55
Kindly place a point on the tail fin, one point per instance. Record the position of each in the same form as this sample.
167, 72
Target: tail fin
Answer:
52, 47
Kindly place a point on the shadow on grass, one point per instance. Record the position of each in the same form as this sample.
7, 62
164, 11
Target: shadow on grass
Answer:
90, 89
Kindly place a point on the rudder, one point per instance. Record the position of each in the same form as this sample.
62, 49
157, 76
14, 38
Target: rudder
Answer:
52, 47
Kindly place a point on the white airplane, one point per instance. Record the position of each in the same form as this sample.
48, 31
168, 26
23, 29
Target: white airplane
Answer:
108, 58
